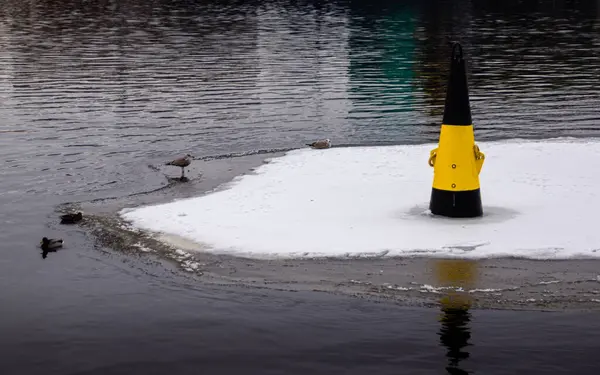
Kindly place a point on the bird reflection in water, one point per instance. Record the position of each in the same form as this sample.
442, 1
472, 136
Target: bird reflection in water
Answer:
45, 252
457, 276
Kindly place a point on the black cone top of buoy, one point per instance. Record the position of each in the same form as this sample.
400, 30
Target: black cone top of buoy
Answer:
457, 110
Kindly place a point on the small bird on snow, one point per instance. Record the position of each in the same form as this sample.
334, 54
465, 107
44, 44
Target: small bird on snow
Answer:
181, 163
320, 144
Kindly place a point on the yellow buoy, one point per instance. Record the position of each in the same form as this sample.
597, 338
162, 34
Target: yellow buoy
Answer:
457, 161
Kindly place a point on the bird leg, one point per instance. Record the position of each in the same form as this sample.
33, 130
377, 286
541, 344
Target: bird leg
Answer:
182, 173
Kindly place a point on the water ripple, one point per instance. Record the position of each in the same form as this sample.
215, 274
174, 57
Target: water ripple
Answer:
130, 83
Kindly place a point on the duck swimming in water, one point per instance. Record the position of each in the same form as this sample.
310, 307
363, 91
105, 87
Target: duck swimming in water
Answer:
51, 243
71, 218
181, 163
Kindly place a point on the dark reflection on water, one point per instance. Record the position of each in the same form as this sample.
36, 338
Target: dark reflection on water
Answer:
455, 334
530, 64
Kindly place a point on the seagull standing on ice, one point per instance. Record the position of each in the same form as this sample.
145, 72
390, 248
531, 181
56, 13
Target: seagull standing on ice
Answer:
320, 144
181, 163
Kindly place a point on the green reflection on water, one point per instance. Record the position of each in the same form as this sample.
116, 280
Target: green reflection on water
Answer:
381, 70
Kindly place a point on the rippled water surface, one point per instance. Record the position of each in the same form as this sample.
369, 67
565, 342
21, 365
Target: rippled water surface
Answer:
92, 91
95, 93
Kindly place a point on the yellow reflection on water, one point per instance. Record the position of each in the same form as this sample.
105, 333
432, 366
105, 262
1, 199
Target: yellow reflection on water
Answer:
457, 276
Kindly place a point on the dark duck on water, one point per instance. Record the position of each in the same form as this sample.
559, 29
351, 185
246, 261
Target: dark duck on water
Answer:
71, 218
50, 245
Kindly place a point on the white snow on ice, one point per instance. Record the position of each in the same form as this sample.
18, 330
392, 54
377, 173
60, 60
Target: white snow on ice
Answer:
540, 201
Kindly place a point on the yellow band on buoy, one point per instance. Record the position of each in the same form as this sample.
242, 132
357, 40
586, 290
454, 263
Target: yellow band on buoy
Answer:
457, 161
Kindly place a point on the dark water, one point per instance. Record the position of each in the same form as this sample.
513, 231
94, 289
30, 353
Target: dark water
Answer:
91, 93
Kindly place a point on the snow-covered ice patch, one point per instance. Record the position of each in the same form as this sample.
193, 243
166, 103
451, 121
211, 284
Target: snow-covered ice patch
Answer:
540, 199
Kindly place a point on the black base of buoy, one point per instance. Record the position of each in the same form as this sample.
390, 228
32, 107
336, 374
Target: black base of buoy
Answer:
459, 204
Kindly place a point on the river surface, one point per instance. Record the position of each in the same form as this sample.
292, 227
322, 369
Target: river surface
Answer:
94, 95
